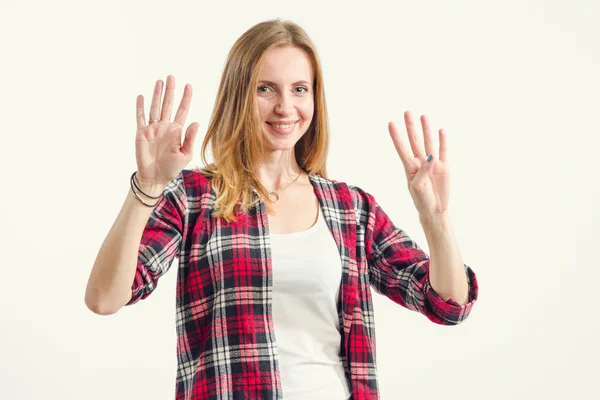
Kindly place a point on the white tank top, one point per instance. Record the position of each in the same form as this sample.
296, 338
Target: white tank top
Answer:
307, 273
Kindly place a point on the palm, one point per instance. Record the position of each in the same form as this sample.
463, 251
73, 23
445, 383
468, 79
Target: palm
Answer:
159, 151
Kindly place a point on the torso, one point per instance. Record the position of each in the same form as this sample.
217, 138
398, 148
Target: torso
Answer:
297, 208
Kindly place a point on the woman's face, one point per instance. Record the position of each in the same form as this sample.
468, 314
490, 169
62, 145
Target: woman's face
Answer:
285, 96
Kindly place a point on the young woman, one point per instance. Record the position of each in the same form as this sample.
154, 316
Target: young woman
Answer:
276, 260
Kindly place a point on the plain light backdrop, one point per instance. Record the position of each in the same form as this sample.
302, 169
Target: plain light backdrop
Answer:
515, 85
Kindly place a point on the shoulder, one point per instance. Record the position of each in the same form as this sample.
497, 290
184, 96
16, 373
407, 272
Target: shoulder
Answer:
196, 176
188, 187
360, 197
196, 181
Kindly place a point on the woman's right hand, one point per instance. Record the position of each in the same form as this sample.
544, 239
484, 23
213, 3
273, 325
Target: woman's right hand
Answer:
159, 153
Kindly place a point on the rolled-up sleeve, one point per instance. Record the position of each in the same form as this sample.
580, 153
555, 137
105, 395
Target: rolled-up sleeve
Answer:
450, 312
399, 268
161, 239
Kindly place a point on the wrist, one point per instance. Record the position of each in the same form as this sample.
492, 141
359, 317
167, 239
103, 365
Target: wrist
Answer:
148, 188
435, 222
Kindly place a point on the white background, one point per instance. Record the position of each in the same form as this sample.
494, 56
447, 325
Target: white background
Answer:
515, 85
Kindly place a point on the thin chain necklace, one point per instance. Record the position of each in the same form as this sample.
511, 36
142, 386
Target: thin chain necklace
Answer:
276, 192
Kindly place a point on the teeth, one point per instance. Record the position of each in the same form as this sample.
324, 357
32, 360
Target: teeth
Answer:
283, 126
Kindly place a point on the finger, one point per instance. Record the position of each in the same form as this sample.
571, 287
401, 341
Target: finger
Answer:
427, 137
190, 137
155, 106
399, 144
139, 112
184, 106
167, 106
412, 136
443, 146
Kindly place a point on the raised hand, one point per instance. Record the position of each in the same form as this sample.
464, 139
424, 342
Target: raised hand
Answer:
428, 181
159, 153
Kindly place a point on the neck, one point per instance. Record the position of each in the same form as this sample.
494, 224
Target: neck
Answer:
279, 169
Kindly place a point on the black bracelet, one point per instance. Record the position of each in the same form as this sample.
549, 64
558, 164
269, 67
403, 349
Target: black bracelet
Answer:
141, 191
136, 195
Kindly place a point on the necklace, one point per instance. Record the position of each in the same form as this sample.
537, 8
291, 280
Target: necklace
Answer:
276, 192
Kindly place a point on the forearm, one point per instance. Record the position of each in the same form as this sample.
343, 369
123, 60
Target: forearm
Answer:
111, 278
446, 268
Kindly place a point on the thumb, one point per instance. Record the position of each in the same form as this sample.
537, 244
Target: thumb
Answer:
190, 137
423, 172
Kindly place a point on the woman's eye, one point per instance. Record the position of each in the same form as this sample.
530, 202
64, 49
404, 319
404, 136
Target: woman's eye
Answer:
265, 89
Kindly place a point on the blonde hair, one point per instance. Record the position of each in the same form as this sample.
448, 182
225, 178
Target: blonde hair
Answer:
235, 130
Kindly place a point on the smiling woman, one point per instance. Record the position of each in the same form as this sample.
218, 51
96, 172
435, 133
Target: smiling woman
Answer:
276, 261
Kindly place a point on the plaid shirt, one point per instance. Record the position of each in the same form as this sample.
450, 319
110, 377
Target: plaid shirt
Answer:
226, 346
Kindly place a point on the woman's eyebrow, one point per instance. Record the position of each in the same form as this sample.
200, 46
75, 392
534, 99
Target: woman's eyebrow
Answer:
295, 83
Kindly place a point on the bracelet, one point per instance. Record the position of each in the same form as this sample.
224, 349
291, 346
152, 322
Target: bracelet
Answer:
136, 195
138, 188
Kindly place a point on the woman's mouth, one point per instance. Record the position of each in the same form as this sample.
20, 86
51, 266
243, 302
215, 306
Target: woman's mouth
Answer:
282, 128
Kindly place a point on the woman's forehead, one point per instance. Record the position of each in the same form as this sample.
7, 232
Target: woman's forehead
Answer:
286, 64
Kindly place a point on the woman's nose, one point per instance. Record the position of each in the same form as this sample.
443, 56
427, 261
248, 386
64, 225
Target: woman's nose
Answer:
284, 105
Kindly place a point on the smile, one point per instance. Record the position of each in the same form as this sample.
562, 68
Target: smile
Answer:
282, 124
282, 128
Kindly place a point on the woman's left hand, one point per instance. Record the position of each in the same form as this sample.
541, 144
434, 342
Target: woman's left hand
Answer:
428, 182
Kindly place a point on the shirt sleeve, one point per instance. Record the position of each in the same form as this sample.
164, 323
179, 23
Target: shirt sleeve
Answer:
161, 239
399, 269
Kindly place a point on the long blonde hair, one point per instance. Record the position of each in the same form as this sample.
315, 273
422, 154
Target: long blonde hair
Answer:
235, 130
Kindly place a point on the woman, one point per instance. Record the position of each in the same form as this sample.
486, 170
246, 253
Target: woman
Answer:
275, 259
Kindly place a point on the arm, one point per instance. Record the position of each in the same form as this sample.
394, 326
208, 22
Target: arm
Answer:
123, 257
446, 272
400, 270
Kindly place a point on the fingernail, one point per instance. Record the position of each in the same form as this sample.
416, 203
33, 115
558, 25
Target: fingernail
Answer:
429, 158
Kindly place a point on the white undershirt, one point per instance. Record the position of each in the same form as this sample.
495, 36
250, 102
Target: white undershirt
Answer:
307, 273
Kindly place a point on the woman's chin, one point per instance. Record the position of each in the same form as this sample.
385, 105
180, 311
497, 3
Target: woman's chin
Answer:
278, 146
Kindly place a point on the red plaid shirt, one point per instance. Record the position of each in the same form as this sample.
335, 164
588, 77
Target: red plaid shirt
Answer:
226, 346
